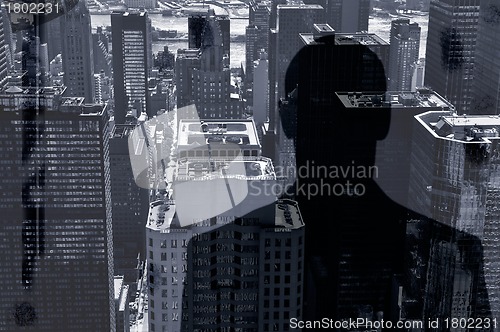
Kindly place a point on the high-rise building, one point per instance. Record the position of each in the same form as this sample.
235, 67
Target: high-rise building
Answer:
394, 152
77, 52
450, 51
4, 50
291, 21
203, 78
487, 70
57, 235
326, 136
122, 310
404, 51
260, 92
454, 180
197, 20
102, 57
257, 35
141, 4
346, 16
130, 203
259, 278
132, 59
255, 244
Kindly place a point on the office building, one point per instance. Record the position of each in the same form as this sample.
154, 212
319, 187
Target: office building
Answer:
284, 43
450, 50
130, 204
257, 36
260, 270
102, 57
456, 185
404, 51
394, 151
486, 81
57, 235
260, 95
259, 258
197, 20
122, 310
203, 78
77, 52
4, 50
141, 4
132, 59
418, 74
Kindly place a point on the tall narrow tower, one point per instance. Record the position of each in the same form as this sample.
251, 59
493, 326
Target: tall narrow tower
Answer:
450, 52
132, 57
405, 45
77, 52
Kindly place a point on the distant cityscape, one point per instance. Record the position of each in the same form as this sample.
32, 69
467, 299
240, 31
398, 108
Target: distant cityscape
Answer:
250, 165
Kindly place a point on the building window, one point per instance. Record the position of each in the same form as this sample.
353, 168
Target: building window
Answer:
150, 242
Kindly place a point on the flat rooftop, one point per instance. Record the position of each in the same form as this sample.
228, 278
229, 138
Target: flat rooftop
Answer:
288, 214
122, 130
361, 38
162, 217
48, 91
192, 132
299, 6
243, 168
463, 128
423, 98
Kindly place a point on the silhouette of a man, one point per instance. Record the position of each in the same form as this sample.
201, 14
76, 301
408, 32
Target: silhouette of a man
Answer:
362, 248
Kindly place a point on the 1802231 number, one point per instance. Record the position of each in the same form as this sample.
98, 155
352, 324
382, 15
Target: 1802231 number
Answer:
32, 8
470, 323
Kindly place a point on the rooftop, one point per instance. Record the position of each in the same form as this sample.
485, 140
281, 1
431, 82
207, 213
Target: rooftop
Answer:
162, 217
206, 132
362, 38
122, 130
463, 128
243, 168
421, 98
358, 38
49, 91
299, 6
288, 214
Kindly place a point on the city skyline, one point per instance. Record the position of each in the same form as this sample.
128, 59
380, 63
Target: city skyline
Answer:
254, 166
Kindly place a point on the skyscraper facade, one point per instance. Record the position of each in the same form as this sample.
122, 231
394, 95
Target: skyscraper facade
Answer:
130, 204
404, 51
257, 35
4, 50
57, 236
456, 184
77, 52
132, 59
203, 77
239, 267
487, 70
450, 51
